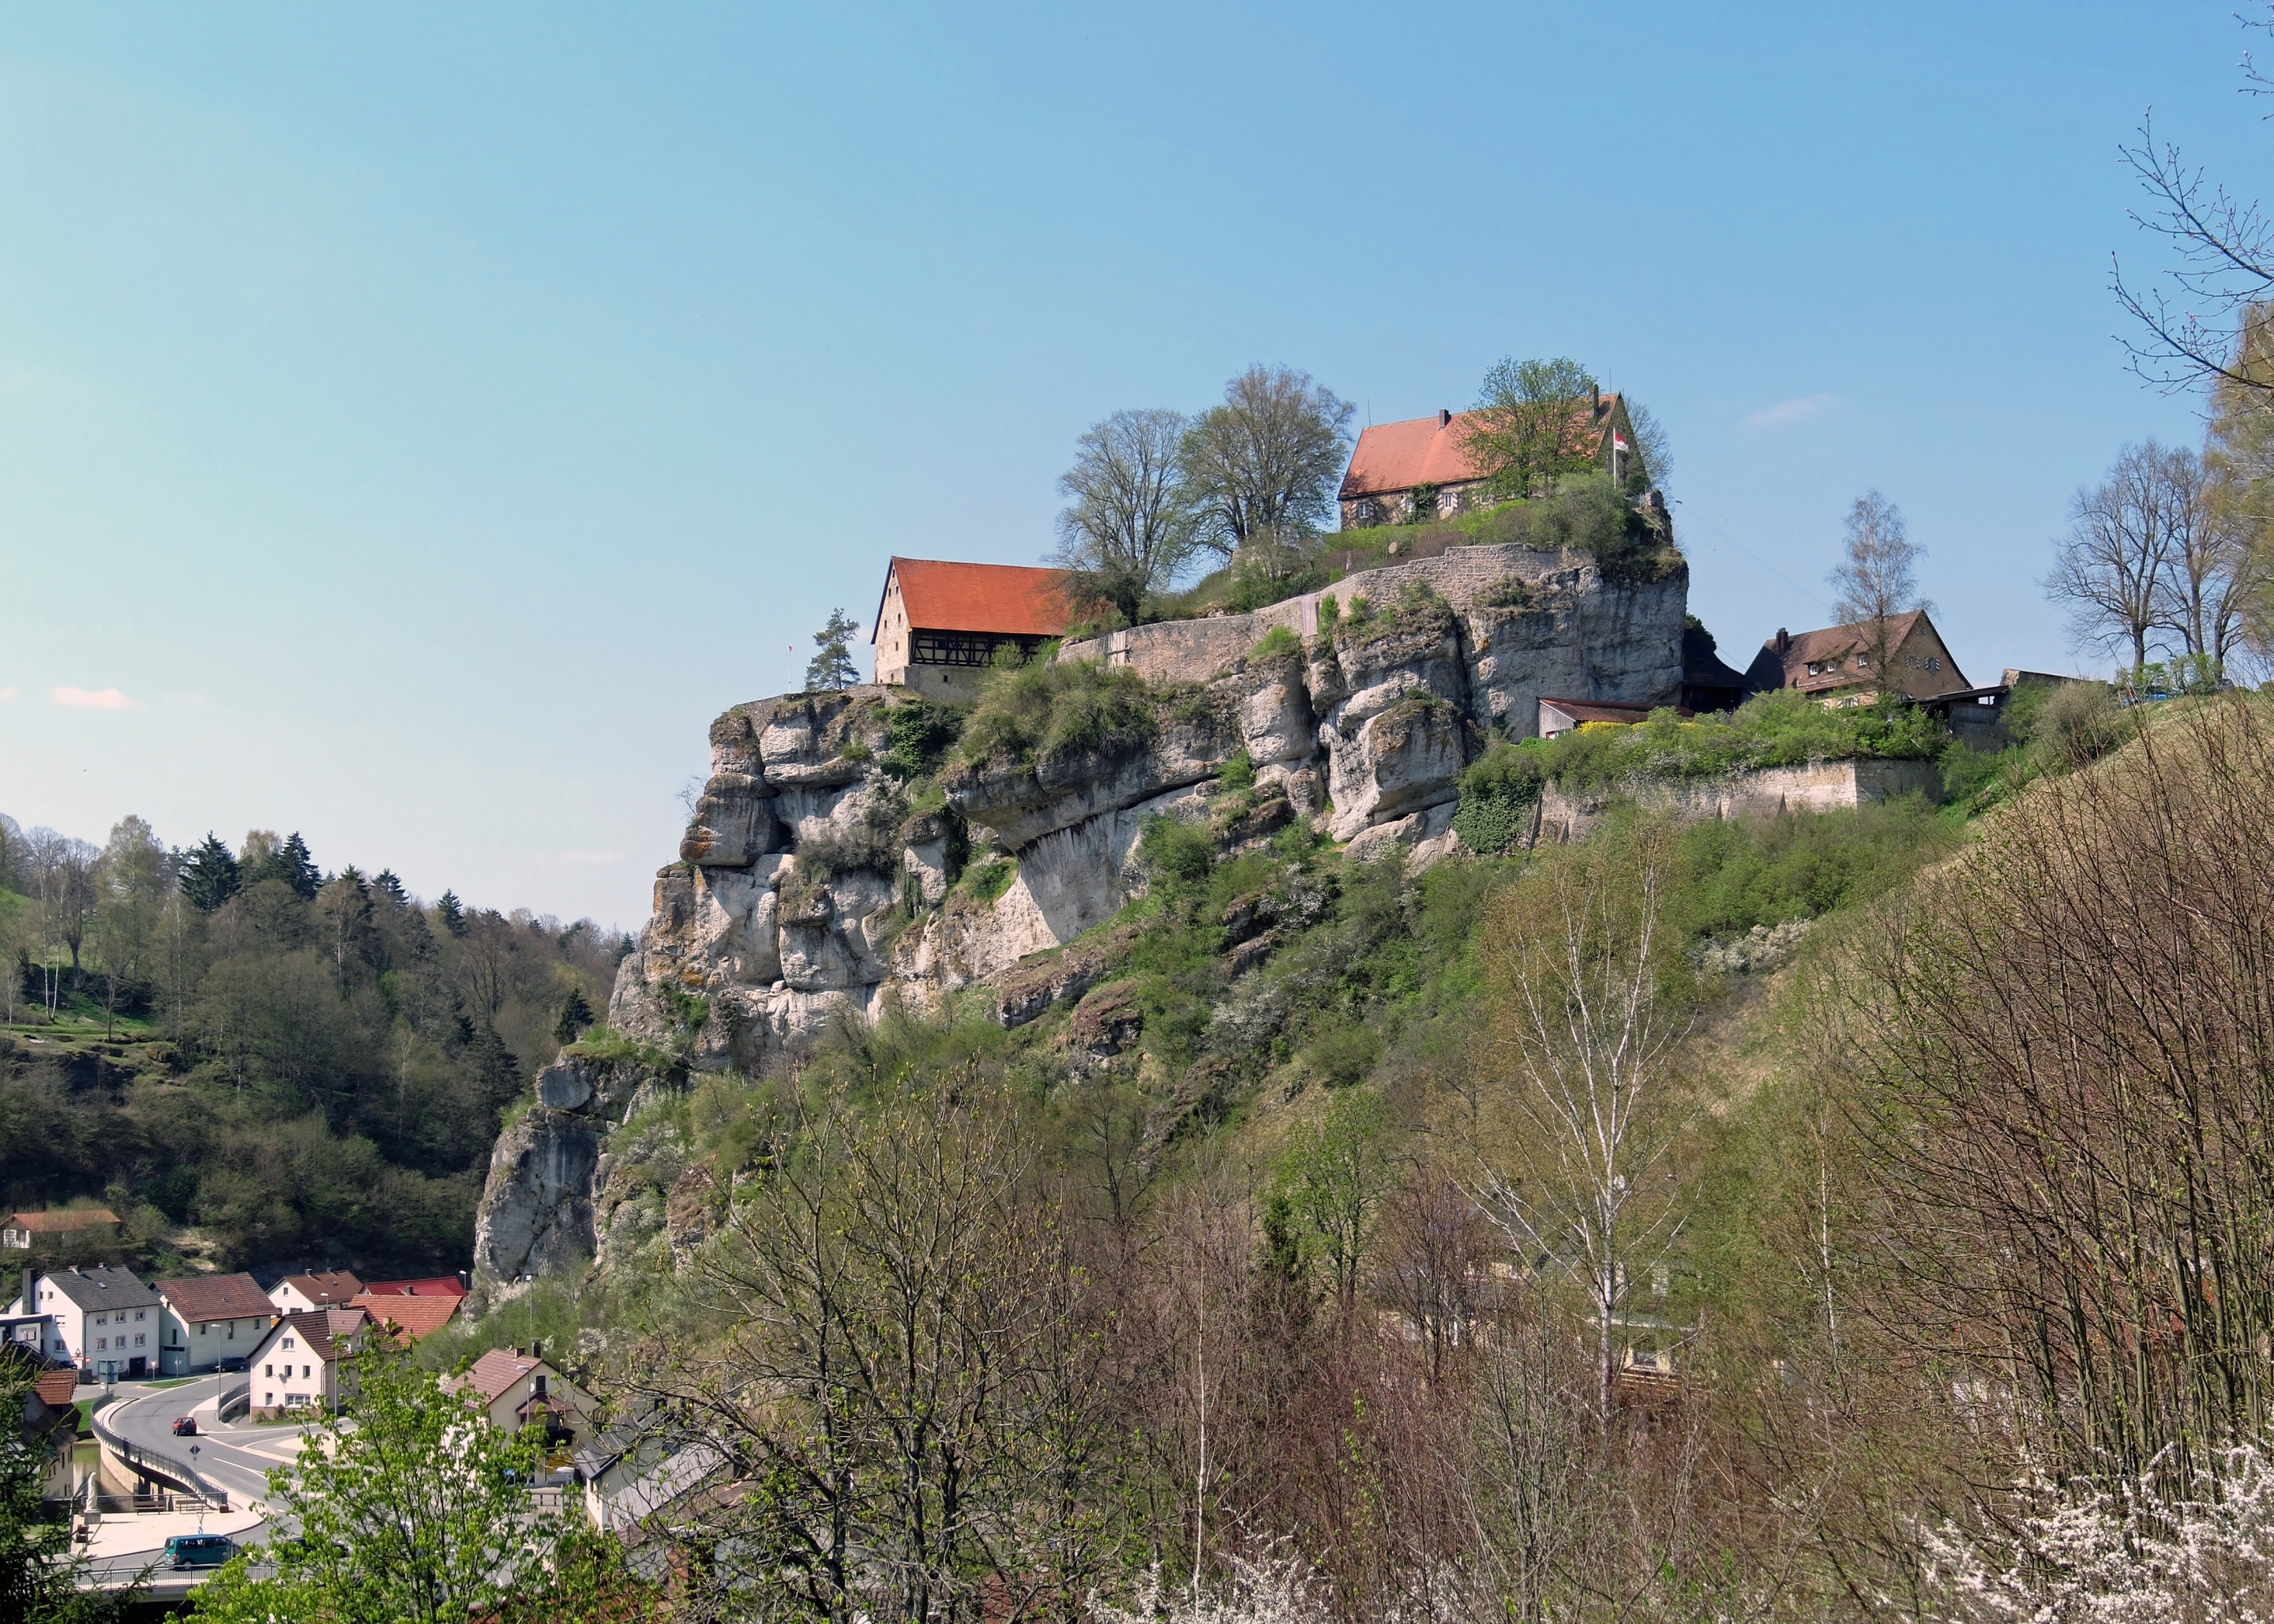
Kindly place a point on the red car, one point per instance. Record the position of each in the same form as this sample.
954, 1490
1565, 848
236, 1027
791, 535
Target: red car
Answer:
185, 1426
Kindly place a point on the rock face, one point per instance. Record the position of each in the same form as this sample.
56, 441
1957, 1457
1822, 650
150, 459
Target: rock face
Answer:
805, 895
808, 891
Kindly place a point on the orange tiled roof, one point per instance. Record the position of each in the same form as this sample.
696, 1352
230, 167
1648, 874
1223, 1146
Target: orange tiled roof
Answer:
56, 1388
441, 1285
1398, 456
68, 1222
1012, 600
407, 1317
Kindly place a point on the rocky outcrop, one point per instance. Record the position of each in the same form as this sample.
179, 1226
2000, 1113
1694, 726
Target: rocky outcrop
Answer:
813, 887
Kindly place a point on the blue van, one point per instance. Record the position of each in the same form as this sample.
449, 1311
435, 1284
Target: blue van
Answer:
199, 1550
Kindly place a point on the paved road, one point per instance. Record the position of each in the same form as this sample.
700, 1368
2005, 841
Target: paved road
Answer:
237, 1458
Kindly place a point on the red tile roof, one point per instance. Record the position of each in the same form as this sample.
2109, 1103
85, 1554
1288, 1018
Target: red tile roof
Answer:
215, 1297
1010, 599
441, 1285
1398, 456
68, 1222
328, 1331
339, 1286
56, 1388
499, 1369
409, 1318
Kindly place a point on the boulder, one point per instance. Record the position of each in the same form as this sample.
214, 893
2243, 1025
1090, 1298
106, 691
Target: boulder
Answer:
1409, 755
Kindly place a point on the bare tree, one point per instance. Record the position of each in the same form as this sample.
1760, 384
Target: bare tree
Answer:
1267, 462
1876, 577
2113, 568
1127, 529
1532, 424
2222, 269
1577, 948
2211, 575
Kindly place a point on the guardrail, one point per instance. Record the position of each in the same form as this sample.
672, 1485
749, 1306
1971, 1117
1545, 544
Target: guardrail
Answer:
160, 1463
239, 1398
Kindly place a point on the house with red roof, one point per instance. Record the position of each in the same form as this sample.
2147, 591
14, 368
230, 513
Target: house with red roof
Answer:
938, 624
298, 1364
1834, 664
515, 1388
1426, 460
210, 1317
407, 1317
298, 1293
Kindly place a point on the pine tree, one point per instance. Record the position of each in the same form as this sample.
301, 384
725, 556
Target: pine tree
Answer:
453, 913
297, 869
831, 668
388, 884
575, 1015
209, 874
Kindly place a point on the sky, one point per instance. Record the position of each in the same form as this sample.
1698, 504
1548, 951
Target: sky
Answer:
417, 422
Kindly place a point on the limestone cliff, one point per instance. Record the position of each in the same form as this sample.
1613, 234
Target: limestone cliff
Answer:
813, 886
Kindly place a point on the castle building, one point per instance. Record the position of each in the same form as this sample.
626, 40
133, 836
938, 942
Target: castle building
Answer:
1426, 461
938, 624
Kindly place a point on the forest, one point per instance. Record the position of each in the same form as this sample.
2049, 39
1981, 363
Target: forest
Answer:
254, 1062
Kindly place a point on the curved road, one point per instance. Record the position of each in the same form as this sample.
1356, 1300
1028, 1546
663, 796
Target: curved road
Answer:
234, 1457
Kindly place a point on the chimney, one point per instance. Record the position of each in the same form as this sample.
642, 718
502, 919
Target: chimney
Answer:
1445, 416
1596, 391
1784, 641
31, 1303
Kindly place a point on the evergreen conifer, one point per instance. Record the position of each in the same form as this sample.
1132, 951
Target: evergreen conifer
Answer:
453, 913
209, 874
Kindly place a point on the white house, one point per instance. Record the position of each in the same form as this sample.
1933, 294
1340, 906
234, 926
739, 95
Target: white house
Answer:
297, 1365
517, 1390
300, 1294
100, 1318
211, 1318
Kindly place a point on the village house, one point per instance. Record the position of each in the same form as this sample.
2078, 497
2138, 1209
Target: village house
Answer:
297, 1294
210, 1319
102, 1319
1426, 461
73, 1225
938, 624
1834, 664
46, 1423
517, 1390
407, 1316
297, 1365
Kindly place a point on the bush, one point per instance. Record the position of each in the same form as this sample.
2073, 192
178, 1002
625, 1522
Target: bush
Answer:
920, 733
1278, 640
1175, 851
1497, 794
1785, 728
1036, 714
1587, 515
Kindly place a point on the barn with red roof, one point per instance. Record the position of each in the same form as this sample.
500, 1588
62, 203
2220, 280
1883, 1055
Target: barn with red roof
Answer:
938, 624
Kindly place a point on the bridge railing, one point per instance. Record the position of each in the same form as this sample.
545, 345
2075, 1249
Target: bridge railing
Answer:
164, 1463
235, 1400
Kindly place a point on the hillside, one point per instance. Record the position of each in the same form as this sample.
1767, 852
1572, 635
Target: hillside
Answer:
255, 1063
1505, 1218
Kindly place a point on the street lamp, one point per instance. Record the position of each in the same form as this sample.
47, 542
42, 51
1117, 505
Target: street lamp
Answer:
201, 1494
528, 1282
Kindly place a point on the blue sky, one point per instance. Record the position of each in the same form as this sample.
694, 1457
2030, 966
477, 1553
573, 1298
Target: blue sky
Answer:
416, 423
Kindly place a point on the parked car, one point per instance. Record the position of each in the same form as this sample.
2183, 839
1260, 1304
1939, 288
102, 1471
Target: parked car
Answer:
231, 1366
199, 1550
185, 1426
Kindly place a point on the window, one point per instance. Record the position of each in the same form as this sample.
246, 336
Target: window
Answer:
139, 1339
268, 1370
303, 1371
101, 1342
269, 1399
142, 1313
288, 1344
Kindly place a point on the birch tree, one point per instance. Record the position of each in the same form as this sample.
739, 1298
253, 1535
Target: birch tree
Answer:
1585, 1184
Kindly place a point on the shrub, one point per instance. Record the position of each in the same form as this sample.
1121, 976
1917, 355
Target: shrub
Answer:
1036, 714
1329, 612
1506, 593
1587, 515
1278, 640
1785, 728
1174, 850
919, 733
1497, 794
1239, 774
